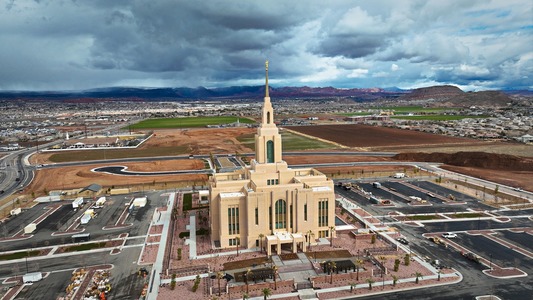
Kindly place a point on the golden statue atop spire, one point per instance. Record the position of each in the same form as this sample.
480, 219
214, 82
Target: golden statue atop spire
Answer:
266, 85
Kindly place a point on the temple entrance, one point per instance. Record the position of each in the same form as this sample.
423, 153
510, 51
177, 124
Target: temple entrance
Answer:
285, 242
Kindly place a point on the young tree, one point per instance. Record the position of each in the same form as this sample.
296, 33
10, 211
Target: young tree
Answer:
332, 267
418, 275
406, 259
370, 281
275, 274
358, 264
246, 275
394, 280
220, 275
396, 265
266, 292
173, 282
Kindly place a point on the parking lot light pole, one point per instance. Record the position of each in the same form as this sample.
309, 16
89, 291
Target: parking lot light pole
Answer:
490, 262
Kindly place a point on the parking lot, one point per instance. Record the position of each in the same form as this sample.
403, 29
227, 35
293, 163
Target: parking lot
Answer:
50, 232
472, 233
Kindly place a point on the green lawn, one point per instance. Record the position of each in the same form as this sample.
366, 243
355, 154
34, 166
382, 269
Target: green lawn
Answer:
416, 109
85, 247
188, 122
357, 114
437, 117
423, 217
19, 255
466, 215
187, 201
291, 142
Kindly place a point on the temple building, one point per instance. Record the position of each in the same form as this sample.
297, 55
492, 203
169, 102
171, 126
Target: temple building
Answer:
267, 204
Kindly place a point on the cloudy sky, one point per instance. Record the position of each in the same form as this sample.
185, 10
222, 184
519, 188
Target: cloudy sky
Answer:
82, 44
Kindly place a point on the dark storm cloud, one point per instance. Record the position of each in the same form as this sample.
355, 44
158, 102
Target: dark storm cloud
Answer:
85, 44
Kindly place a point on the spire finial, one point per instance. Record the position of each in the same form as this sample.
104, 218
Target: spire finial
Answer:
266, 85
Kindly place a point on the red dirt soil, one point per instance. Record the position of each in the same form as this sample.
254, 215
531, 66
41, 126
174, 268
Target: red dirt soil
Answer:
355, 135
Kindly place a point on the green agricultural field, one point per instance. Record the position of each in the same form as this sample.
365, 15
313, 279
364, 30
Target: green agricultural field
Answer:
356, 114
437, 117
188, 122
291, 142
416, 109
86, 155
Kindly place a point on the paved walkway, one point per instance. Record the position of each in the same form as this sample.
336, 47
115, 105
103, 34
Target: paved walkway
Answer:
160, 218
191, 241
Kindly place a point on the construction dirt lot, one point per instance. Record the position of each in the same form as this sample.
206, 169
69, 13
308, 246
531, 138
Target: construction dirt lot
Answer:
207, 141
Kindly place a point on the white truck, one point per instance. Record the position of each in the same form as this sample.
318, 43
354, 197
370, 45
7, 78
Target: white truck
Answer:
399, 175
77, 203
15, 211
32, 277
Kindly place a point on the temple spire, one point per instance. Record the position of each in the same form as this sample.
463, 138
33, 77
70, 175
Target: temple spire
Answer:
266, 85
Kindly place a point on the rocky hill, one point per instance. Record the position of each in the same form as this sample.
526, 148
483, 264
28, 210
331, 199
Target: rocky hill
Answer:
452, 96
442, 92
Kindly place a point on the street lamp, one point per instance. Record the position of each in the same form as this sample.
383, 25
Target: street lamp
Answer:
490, 262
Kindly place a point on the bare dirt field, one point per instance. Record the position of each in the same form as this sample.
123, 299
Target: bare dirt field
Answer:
224, 141
364, 136
201, 140
80, 176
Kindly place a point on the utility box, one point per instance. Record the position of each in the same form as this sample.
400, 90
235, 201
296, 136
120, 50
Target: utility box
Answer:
30, 228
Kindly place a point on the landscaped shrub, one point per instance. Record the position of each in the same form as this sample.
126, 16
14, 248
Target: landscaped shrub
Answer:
407, 260
396, 265
196, 283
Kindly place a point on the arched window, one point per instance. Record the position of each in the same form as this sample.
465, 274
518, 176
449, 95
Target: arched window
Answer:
268, 117
281, 214
270, 152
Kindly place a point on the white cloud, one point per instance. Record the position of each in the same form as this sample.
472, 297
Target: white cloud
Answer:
358, 73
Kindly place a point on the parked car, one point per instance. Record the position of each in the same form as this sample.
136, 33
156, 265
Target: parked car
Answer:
403, 240
449, 235
471, 256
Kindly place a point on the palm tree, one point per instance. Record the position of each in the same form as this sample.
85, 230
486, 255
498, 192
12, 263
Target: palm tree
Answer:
370, 281
261, 237
332, 266
274, 274
358, 264
266, 292
246, 275
220, 275
310, 235
394, 280
331, 230
418, 275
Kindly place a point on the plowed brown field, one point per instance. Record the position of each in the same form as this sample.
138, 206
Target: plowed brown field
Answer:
364, 136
